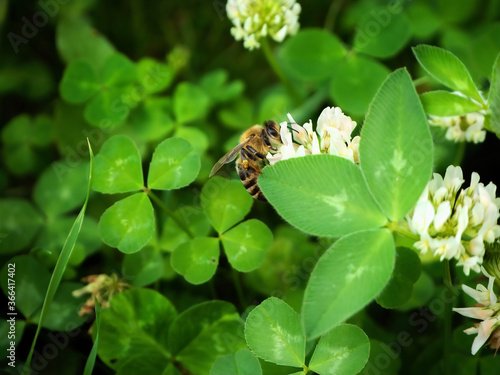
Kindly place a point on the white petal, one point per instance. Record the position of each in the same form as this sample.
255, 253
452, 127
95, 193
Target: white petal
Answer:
483, 333
442, 214
281, 34
475, 312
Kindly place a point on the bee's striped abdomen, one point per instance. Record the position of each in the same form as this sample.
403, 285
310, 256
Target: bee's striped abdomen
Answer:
249, 179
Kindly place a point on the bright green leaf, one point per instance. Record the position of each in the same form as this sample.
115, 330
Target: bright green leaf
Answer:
106, 110
58, 193
406, 273
445, 67
118, 70
190, 103
355, 82
215, 325
246, 244
143, 267
342, 351
128, 224
243, 362
494, 97
226, 202
312, 54
444, 103
20, 222
322, 195
274, 333
338, 286
398, 174
136, 325
118, 167
197, 259
382, 33
79, 82
174, 165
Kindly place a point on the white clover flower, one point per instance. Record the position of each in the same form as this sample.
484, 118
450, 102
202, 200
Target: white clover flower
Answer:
486, 309
256, 19
455, 224
332, 136
469, 128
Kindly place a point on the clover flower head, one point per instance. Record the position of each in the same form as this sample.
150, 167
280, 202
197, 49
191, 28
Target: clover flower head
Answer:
455, 224
101, 287
332, 136
256, 19
486, 309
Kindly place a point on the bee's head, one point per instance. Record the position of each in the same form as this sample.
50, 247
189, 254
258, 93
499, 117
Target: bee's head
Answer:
272, 131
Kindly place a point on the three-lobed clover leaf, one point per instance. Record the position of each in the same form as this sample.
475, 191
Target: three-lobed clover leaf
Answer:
101, 88
129, 223
225, 203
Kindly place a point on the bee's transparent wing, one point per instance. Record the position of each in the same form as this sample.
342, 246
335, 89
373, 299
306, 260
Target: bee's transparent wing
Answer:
229, 157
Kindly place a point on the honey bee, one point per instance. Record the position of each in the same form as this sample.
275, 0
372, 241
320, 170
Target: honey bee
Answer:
254, 145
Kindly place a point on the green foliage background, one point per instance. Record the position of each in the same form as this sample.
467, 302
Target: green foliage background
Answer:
162, 90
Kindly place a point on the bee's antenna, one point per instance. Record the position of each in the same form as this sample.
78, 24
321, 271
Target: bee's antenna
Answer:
290, 126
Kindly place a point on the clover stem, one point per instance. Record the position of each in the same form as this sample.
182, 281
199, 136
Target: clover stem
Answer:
271, 59
170, 212
332, 14
395, 228
460, 153
447, 316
